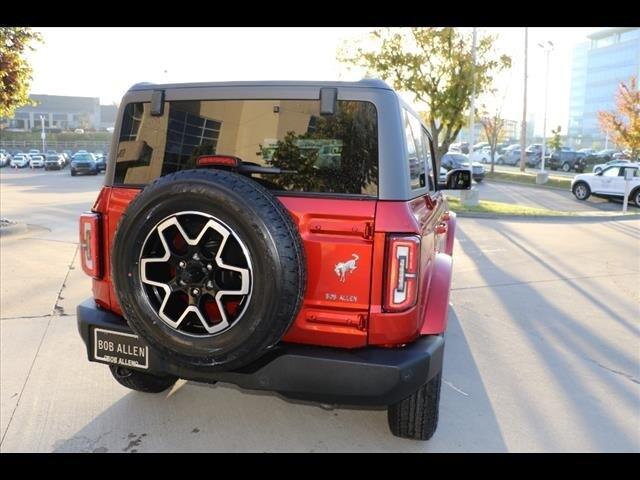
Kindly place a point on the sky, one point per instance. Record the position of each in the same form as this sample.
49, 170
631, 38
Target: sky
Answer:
105, 62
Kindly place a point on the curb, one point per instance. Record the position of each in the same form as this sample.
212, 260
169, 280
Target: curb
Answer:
527, 184
553, 218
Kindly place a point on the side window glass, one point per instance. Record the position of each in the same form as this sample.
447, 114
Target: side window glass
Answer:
611, 172
416, 163
429, 147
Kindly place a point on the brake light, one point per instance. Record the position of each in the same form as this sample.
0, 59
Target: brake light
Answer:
403, 264
90, 244
218, 161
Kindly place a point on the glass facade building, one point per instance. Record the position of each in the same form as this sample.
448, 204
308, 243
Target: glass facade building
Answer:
598, 66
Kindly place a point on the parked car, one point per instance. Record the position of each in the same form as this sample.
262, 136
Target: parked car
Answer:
37, 161
510, 156
609, 183
5, 158
237, 279
83, 163
22, 160
601, 156
101, 162
611, 163
54, 162
481, 155
587, 151
534, 148
34, 151
621, 156
454, 161
51, 152
442, 178
462, 147
566, 160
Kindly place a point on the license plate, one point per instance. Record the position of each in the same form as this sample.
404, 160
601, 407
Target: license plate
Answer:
119, 348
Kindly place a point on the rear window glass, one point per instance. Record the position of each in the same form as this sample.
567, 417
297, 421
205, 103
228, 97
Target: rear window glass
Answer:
318, 154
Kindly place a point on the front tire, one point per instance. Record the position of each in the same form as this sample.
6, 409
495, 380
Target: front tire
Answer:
635, 197
416, 417
73, 173
581, 190
141, 382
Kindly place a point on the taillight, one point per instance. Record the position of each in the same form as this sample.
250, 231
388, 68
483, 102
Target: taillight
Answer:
403, 265
217, 161
90, 244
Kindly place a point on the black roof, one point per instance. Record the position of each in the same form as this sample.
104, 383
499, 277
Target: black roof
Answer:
364, 83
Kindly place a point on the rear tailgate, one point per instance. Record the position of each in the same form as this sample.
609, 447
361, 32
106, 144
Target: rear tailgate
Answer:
338, 241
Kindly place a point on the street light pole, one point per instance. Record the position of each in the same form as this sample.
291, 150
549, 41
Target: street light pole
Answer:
473, 95
547, 48
523, 126
43, 135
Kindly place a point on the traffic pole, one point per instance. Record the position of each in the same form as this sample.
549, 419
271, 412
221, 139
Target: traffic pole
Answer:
473, 96
523, 126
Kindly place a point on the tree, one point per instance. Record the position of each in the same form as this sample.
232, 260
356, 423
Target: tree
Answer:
623, 124
15, 71
436, 65
493, 126
556, 142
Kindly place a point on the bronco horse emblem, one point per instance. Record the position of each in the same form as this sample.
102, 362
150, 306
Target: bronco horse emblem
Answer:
342, 268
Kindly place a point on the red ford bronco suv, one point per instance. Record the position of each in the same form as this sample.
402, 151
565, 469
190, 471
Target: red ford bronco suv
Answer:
283, 236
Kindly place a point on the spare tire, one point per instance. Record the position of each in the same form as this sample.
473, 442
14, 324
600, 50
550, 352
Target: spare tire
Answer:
208, 268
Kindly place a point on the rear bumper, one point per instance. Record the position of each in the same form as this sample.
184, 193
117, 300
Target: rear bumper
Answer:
366, 376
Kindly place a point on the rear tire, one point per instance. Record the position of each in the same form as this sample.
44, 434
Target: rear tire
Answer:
142, 382
566, 167
635, 197
581, 190
416, 417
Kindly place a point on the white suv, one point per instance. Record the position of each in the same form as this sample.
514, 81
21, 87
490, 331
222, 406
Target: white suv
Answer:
608, 183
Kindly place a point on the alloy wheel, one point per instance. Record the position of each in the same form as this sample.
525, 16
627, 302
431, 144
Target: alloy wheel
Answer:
196, 273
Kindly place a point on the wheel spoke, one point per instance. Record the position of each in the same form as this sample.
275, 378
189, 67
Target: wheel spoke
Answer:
187, 281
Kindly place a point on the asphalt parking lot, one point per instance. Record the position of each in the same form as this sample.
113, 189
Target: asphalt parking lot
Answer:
543, 348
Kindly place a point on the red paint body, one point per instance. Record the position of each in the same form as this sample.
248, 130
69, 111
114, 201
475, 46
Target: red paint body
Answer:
337, 313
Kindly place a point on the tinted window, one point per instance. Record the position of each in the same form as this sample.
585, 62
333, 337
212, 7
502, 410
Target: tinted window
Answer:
326, 154
428, 145
417, 151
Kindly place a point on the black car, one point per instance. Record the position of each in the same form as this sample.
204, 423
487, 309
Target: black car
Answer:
84, 163
54, 162
453, 160
602, 156
567, 160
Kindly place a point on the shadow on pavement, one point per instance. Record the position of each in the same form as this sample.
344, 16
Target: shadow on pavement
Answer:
222, 417
562, 345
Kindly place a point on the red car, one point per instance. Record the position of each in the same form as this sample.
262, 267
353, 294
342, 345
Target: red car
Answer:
283, 236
